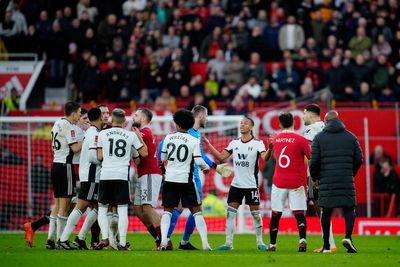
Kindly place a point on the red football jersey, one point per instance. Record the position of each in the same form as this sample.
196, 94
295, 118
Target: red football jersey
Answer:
289, 151
149, 164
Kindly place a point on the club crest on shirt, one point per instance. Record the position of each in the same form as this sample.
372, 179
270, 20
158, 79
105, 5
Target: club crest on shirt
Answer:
73, 133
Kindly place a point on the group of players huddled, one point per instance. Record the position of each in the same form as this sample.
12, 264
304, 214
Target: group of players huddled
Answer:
104, 153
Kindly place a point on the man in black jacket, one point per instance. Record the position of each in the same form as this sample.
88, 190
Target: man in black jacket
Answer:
336, 158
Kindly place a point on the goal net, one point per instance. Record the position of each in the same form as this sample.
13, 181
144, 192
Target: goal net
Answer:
26, 158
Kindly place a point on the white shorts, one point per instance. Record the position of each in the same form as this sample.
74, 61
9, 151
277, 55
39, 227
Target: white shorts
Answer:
297, 198
147, 190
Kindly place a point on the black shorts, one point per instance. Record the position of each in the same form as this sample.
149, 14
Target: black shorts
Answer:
251, 195
114, 192
186, 193
63, 179
89, 191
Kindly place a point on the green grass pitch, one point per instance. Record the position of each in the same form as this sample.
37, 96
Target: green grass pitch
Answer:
373, 251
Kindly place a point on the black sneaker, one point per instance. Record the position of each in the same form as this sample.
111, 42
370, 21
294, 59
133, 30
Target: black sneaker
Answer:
65, 245
270, 248
170, 246
126, 247
80, 244
102, 244
348, 243
303, 246
187, 246
50, 244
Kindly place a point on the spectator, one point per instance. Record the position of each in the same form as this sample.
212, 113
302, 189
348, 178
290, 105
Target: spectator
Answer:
256, 43
189, 52
334, 27
199, 99
12, 101
171, 39
131, 72
255, 68
212, 84
177, 77
251, 88
267, 94
260, 21
217, 65
84, 9
381, 73
106, 31
90, 84
335, 146
237, 107
335, 76
365, 93
291, 35
358, 71
56, 54
348, 94
271, 40
216, 19
359, 43
211, 44
381, 28
8, 32
377, 156
153, 78
318, 26
234, 71
381, 46
288, 77
113, 81
241, 37
388, 95
9, 158
385, 178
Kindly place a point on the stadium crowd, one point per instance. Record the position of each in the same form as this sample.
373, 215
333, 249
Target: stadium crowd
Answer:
257, 50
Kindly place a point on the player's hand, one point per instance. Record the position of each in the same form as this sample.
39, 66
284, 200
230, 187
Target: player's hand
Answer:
224, 170
315, 184
205, 139
161, 166
270, 144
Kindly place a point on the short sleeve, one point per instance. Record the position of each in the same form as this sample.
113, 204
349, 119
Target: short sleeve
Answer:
136, 142
72, 135
261, 147
93, 140
196, 151
229, 148
99, 141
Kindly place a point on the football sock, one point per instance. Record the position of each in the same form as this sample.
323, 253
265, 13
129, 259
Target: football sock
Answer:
114, 226
165, 226
189, 228
122, 224
349, 217
158, 234
274, 227
61, 222
326, 214
230, 225
95, 230
52, 228
87, 224
258, 225
152, 231
201, 228
40, 222
103, 221
174, 219
72, 221
301, 223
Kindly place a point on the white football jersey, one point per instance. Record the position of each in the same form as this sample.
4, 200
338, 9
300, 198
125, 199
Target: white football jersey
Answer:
63, 134
313, 129
88, 171
245, 157
182, 151
117, 145
80, 135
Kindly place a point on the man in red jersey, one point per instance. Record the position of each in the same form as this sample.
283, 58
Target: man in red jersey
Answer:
150, 177
289, 179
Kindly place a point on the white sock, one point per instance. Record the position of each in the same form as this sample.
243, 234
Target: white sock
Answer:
110, 232
114, 226
103, 222
165, 223
72, 221
61, 222
230, 225
90, 219
52, 228
258, 226
201, 228
122, 223
331, 239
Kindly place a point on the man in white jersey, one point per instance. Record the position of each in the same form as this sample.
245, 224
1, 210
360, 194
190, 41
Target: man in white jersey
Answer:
182, 151
314, 125
246, 152
115, 147
81, 126
89, 174
64, 144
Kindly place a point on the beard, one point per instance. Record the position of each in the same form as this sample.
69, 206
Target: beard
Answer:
136, 124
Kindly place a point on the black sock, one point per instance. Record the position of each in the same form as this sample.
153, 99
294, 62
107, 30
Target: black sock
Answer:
274, 227
152, 231
326, 225
95, 230
301, 224
349, 217
41, 222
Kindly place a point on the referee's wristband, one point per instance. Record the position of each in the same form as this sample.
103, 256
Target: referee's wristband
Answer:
214, 165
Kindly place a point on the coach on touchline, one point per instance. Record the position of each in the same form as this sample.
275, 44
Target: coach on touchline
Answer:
336, 158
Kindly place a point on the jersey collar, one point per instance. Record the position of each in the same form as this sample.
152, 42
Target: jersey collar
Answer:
247, 140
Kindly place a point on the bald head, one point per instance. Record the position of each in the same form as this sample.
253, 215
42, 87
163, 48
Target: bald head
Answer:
331, 115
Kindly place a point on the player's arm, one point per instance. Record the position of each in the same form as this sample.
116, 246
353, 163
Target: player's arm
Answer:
73, 141
198, 159
93, 150
207, 160
219, 155
140, 145
135, 156
100, 149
